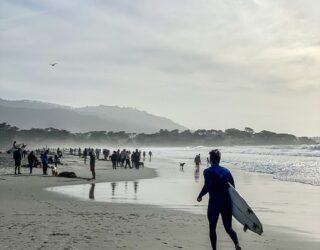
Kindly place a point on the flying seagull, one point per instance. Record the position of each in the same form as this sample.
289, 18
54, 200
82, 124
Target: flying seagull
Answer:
53, 64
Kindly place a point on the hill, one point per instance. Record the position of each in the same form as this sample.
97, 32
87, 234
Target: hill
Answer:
28, 114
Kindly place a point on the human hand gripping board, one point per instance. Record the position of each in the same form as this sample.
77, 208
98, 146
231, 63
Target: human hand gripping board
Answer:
243, 213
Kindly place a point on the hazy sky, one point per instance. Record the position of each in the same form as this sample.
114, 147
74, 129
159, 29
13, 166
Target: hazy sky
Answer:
203, 63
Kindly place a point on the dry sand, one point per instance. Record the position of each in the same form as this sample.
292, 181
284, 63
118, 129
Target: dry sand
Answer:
33, 218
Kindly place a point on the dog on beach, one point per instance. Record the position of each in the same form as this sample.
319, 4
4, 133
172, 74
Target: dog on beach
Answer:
141, 164
67, 174
54, 171
181, 165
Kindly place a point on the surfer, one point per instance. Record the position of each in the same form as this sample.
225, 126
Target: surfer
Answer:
216, 184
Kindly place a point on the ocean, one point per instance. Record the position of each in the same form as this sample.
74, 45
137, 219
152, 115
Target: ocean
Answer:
281, 183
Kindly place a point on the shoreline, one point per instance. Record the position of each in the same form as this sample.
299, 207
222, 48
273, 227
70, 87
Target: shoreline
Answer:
33, 218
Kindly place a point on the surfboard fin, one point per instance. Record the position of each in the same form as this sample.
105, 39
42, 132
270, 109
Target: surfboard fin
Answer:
245, 228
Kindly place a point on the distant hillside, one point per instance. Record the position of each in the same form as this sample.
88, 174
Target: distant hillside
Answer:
27, 114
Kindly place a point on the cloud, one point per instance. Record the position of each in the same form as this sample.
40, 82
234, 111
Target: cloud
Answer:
173, 58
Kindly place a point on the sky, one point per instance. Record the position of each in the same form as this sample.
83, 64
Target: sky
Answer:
202, 63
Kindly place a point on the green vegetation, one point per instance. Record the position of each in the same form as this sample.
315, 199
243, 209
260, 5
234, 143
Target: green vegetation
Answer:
232, 136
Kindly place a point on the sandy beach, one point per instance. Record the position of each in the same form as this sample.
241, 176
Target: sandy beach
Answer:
34, 218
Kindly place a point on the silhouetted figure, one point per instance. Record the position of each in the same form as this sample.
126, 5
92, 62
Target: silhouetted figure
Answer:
181, 165
197, 160
91, 192
85, 154
59, 153
92, 165
56, 160
136, 158
144, 155
105, 153
79, 152
44, 160
114, 159
217, 181
32, 159
24, 153
150, 155
128, 160
17, 160
98, 151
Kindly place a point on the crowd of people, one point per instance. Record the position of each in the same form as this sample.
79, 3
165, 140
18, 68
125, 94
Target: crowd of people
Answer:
119, 158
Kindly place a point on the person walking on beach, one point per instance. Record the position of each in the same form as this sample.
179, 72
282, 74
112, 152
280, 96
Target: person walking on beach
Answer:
150, 155
216, 184
92, 165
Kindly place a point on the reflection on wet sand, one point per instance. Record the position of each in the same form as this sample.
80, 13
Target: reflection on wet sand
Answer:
135, 187
197, 174
113, 188
91, 192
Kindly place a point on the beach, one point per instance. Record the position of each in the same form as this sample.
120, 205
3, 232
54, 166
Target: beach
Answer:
32, 217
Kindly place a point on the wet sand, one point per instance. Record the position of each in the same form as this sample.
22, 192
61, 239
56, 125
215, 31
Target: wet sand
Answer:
33, 218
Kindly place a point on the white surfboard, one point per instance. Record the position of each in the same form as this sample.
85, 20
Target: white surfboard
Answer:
242, 212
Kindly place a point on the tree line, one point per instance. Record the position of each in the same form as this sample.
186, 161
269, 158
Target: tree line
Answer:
212, 137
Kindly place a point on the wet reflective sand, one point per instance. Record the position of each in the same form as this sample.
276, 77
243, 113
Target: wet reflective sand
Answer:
174, 188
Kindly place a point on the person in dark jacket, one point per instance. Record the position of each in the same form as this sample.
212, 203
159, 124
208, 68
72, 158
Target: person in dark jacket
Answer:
32, 159
92, 165
17, 160
114, 159
217, 179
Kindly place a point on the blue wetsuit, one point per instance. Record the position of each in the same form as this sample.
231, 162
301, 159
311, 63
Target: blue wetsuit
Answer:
216, 184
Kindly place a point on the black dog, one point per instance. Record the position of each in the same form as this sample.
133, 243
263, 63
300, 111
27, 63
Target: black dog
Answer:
181, 165
141, 164
67, 174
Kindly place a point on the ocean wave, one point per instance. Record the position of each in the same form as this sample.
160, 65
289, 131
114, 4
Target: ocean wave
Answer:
294, 170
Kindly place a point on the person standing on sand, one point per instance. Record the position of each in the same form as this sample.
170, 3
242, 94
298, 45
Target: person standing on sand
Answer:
92, 164
114, 158
216, 184
85, 153
144, 155
44, 159
17, 161
150, 154
197, 160
127, 160
31, 161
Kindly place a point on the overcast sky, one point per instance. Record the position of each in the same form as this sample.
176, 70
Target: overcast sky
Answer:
202, 63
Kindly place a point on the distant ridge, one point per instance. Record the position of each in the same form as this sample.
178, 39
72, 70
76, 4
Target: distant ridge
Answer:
28, 114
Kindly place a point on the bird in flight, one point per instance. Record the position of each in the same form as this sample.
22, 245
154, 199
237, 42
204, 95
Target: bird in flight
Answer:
53, 64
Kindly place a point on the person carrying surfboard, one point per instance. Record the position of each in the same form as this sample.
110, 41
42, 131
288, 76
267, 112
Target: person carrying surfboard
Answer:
216, 179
